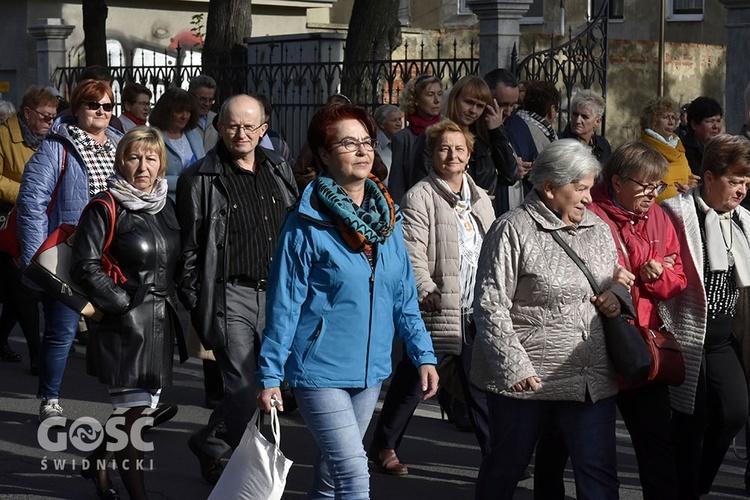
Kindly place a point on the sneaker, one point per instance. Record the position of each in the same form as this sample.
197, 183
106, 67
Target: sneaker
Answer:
50, 408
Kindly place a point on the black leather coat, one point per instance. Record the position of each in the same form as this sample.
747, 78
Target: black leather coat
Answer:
203, 210
133, 344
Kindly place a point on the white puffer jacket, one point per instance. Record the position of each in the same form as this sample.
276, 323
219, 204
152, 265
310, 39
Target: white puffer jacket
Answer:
532, 306
431, 238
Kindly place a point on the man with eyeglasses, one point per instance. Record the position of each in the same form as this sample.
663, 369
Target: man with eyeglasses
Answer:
136, 103
203, 87
20, 137
231, 205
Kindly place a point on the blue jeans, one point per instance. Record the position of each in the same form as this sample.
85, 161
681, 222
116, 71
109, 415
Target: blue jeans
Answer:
60, 326
587, 428
338, 420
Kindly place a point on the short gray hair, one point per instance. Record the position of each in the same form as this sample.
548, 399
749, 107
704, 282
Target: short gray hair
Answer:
382, 113
587, 98
563, 162
202, 81
6, 110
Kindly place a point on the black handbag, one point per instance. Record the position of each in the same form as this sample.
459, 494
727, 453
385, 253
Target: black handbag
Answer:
625, 346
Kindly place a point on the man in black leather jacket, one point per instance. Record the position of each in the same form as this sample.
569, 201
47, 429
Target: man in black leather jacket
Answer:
231, 205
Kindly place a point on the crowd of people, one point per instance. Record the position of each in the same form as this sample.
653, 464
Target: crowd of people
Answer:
454, 226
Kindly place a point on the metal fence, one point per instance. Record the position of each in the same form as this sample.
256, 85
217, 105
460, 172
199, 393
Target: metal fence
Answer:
298, 89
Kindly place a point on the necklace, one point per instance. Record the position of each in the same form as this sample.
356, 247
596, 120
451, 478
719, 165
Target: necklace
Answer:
730, 257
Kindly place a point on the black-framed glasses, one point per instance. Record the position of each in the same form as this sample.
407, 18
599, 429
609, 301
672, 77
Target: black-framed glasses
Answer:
43, 117
353, 145
94, 106
235, 129
651, 189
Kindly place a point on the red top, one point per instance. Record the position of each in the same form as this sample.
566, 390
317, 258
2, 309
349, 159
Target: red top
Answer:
645, 237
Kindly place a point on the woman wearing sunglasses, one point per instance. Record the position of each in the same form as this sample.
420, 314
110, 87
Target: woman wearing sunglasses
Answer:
659, 120
71, 166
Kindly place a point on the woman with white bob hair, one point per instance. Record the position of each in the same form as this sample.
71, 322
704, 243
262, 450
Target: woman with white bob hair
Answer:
539, 351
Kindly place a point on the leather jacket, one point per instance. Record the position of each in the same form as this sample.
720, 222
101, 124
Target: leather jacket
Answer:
203, 210
133, 344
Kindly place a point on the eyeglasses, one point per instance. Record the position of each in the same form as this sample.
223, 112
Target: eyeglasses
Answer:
94, 106
353, 145
248, 129
43, 117
205, 100
668, 118
145, 104
651, 189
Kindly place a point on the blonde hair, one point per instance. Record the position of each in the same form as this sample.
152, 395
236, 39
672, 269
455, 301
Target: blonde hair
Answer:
435, 132
477, 88
656, 106
147, 137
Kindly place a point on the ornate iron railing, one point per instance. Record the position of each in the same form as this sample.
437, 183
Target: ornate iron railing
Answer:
297, 89
581, 62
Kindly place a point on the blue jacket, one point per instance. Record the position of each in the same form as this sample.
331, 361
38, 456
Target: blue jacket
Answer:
174, 161
38, 182
329, 317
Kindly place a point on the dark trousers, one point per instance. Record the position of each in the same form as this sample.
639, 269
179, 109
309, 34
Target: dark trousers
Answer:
405, 392
245, 319
721, 404
587, 428
647, 413
19, 306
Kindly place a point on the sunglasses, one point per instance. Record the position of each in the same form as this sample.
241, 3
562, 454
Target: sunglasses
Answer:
94, 106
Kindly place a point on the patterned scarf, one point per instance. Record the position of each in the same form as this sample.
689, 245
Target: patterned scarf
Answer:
418, 125
136, 200
29, 138
540, 121
362, 227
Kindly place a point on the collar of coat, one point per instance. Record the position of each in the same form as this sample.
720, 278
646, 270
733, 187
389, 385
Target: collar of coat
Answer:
549, 220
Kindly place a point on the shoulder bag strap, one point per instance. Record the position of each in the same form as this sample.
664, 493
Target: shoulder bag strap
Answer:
59, 179
577, 260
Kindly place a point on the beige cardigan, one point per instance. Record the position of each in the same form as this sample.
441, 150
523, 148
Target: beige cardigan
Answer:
431, 238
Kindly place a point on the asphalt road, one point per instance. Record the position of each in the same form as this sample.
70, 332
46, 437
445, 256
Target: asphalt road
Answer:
443, 462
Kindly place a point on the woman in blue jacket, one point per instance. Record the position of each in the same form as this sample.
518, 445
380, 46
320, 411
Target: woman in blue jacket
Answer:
176, 116
70, 167
340, 284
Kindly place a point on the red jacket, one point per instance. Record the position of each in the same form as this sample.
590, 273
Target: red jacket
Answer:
645, 237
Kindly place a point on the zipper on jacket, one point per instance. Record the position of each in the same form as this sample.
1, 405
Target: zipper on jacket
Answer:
369, 323
313, 341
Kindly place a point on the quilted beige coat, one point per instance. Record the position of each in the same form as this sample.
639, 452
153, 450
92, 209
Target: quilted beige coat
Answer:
431, 238
532, 306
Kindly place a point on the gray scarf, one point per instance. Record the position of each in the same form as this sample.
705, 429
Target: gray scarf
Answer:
135, 199
29, 138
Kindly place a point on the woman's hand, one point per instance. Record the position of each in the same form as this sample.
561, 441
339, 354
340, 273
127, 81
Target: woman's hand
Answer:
529, 384
493, 115
431, 303
623, 277
608, 304
650, 271
267, 398
669, 261
430, 380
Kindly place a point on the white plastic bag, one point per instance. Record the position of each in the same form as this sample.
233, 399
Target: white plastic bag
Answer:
257, 469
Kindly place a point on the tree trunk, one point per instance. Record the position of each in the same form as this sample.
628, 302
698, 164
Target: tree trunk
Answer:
95, 32
229, 23
374, 32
